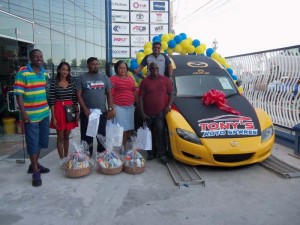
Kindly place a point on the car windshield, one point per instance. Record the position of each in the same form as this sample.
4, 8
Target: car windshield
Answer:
198, 85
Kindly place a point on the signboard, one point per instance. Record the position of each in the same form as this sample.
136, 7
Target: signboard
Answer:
120, 28
139, 5
120, 52
119, 16
159, 28
135, 50
159, 17
136, 28
139, 17
159, 6
139, 40
120, 4
120, 40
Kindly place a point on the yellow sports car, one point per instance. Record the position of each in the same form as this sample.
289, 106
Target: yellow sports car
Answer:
203, 130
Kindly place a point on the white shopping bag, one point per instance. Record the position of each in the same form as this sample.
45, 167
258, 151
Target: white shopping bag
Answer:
144, 138
114, 133
94, 119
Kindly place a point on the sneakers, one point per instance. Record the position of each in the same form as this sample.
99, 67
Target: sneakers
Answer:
36, 179
41, 169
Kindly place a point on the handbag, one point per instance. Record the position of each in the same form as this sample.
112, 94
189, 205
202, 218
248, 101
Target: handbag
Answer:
114, 133
70, 111
144, 138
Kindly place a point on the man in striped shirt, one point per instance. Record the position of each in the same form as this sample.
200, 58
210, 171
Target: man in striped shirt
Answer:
30, 88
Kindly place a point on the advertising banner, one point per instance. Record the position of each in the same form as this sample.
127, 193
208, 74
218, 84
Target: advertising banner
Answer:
120, 28
139, 40
120, 40
119, 16
120, 52
159, 17
159, 6
159, 28
120, 4
136, 28
135, 50
139, 17
139, 5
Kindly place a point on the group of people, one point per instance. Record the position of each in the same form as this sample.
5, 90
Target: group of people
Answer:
116, 97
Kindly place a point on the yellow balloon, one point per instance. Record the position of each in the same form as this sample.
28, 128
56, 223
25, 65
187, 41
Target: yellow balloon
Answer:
241, 89
215, 56
147, 51
144, 70
184, 44
148, 45
178, 48
170, 51
222, 60
162, 51
140, 54
164, 45
190, 40
199, 50
139, 60
203, 46
171, 36
190, 49
226, 65
183, 52
165, 37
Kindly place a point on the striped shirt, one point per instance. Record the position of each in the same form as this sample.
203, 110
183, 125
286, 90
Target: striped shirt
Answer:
59, 93
33, 88
122, 90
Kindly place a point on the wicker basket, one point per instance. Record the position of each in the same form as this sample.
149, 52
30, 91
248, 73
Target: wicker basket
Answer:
78, 172
110, 171
134, 169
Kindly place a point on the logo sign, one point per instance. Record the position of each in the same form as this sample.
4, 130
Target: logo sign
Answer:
139, 40
120, 28
227, 125
120, 4
120, 52
119, 16
159, 17
140, 17
120, 40
159, 6
159, 28
139, 28
139, 6
197, 64
135, 50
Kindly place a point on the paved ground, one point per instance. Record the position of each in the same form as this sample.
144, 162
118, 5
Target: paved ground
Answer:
248, 195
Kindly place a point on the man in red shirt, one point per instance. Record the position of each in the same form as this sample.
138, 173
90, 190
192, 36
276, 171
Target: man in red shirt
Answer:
153, 92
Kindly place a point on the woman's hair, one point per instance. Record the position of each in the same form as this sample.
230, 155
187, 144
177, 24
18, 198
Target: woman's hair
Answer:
58, 73
116, 66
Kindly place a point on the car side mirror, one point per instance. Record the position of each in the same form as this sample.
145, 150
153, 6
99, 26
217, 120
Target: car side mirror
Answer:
239, 83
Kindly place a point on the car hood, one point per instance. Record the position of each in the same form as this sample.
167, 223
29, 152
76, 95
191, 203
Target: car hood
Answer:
211, 122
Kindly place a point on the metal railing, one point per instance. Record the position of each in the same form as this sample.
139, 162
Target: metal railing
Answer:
271, 81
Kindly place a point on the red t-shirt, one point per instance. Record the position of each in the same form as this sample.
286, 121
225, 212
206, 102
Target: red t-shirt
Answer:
155, 92
122, 90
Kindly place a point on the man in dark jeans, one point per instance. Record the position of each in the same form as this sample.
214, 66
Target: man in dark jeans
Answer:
93, 91
153, 106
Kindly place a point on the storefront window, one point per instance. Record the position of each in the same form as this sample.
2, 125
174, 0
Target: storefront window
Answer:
58, 47
69, 19
43, 42
70, 49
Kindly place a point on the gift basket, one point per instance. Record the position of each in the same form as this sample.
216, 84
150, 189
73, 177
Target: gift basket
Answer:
134, 163
78, 163
108, 161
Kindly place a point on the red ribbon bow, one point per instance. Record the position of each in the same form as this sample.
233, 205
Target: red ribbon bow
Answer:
218, 97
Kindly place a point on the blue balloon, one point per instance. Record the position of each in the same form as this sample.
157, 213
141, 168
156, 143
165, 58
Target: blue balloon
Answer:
209, 51
160, 35
134, 66
183, 36
133, 61
234, 77
196, 43
230, 71
171, 44
142, 50
156, 39
178, 39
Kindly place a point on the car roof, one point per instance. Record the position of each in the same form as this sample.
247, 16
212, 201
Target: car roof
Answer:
196, 64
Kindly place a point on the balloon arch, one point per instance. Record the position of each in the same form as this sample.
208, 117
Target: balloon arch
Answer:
180, 44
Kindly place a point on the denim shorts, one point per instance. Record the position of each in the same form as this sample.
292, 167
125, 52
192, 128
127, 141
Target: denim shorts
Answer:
125, 116
37, 136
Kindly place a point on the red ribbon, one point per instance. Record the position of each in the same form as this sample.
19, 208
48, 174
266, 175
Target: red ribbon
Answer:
218, 97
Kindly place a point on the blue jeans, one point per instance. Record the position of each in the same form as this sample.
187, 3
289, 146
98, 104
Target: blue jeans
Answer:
156, 124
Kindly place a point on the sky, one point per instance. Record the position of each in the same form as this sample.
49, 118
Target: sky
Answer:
239, 26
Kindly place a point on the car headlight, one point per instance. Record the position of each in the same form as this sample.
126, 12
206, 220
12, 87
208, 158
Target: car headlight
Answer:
267, 133
188, 136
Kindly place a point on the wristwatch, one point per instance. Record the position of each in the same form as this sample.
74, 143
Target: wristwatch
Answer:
109, 109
